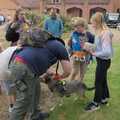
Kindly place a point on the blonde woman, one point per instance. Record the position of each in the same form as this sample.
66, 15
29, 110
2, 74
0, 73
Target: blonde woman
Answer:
103, 54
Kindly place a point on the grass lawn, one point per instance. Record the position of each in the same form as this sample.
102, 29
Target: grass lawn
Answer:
74, 110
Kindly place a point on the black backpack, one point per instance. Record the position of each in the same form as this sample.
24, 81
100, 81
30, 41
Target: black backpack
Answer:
11, 34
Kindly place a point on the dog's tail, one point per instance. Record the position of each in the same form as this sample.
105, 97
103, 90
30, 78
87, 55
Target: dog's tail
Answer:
90, 88
87, 88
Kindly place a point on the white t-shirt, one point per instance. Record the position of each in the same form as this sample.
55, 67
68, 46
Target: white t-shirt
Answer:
4, 61
1, 18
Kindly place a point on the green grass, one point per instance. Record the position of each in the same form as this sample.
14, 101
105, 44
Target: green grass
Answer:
74, 110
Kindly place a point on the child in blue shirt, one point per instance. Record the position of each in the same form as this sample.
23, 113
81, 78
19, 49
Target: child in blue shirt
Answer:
79, 56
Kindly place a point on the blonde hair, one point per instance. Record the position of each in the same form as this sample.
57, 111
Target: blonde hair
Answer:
79, 21
99, 19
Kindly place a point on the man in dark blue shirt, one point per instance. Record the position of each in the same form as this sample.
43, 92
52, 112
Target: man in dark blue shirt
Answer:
26, 68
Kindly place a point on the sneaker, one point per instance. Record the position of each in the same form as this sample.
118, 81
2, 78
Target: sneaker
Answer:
104, 101
92, 106
43, 115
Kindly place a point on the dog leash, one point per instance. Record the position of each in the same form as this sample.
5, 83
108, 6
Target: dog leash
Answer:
57, 67
61, 82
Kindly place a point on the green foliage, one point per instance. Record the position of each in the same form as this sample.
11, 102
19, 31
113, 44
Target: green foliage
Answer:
33, 17
30, 15
67, 24
42, 19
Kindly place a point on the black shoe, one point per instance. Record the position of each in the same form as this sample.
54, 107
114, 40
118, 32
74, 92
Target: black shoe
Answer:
43, 115
92, 106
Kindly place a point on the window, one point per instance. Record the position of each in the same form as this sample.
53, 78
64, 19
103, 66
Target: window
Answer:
55, 1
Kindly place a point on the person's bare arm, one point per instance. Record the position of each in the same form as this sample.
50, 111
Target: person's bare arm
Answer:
66, 67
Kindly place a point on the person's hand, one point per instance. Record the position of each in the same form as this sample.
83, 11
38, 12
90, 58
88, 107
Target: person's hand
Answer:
13, 25
93, 53
50, 71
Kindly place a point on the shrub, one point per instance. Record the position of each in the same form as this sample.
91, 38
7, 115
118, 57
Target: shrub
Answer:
67, 24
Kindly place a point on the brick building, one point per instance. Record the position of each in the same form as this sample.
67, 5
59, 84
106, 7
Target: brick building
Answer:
65, 7
81, 7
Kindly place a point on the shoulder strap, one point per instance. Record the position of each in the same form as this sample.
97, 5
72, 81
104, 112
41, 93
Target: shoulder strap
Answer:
57, 67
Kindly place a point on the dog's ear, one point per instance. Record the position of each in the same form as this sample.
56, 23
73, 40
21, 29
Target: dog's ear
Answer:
45, 78
42, 79
51, 89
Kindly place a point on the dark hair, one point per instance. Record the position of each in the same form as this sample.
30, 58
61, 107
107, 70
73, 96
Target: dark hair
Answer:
16, 15
37, 37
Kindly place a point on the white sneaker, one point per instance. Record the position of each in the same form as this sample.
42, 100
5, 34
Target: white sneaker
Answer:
92, 106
